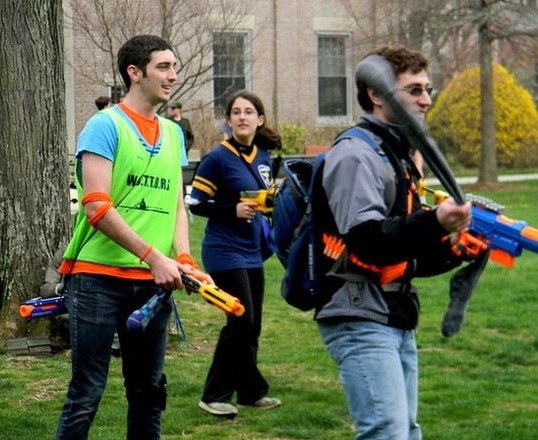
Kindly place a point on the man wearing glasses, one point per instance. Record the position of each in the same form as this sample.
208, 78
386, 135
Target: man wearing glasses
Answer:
367, 198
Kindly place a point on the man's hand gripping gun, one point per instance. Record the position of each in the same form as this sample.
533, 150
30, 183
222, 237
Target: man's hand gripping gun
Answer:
505, 237
140, 318
42, 307
265, 198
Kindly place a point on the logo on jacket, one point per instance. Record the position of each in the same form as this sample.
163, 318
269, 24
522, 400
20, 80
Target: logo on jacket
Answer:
265, 173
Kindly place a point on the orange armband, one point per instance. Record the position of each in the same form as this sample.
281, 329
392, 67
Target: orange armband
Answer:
95, 196
100, 212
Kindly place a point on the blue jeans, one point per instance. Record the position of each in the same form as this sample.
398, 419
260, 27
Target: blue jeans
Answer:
378, 368
98, 305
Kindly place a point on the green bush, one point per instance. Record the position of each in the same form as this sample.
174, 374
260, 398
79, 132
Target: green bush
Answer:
296, 137
324, 134
454, 120
293, 138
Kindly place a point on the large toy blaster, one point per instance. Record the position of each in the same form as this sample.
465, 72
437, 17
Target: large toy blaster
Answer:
265, 198
506, 237
42, 307
140, 318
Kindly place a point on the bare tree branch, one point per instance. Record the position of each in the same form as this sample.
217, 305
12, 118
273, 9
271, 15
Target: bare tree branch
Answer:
187, 24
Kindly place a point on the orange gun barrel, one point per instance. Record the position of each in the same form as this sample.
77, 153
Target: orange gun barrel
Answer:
222, 300
25, 310
213, 295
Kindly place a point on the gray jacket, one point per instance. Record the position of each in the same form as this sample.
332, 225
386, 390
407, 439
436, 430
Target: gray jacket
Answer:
361, 188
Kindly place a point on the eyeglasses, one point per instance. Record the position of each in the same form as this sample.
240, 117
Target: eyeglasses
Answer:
417, 91
247, 112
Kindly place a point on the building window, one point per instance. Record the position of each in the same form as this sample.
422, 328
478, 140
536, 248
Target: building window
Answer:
116, 92
230, 63
333, 86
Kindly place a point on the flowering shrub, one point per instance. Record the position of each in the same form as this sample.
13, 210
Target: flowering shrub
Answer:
454, 120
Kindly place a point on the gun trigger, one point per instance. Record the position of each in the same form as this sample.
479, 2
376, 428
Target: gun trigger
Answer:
502, 258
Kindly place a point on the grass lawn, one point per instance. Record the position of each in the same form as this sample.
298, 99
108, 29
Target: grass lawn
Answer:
477, 385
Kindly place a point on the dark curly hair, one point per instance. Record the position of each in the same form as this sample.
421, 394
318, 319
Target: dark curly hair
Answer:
401, 59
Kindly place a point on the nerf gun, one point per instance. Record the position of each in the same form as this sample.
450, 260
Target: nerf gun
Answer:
506, 237
265, 198
42, 307
140, 318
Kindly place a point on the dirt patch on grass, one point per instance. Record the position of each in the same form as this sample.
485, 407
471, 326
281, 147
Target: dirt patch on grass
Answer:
46, 389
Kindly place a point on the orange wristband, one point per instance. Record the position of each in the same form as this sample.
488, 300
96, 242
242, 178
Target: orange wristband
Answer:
185, 258
145, 254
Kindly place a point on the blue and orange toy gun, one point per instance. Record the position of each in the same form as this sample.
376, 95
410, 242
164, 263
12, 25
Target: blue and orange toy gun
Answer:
42, 307
506, 237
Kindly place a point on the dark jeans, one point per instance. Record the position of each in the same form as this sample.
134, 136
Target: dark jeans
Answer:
234, 367
99, 305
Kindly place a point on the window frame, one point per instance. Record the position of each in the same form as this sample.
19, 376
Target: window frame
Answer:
220, 101
116, 92
347, 75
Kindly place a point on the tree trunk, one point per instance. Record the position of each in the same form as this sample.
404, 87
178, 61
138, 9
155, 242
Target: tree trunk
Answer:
34, 172
488, 158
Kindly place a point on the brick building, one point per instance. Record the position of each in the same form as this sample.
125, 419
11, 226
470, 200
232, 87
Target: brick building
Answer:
299, 56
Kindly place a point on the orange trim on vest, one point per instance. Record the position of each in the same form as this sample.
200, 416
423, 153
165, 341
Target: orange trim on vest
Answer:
72, 267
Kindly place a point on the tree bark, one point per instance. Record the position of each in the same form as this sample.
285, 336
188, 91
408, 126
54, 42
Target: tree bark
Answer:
488, 158
34, 172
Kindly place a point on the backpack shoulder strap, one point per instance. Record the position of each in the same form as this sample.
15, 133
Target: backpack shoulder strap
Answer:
391, 156
318, 164
361, 134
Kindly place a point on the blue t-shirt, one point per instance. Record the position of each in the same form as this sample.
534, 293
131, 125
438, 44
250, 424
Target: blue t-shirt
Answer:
231, 242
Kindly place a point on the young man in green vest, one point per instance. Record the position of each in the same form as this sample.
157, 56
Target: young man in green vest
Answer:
129, 237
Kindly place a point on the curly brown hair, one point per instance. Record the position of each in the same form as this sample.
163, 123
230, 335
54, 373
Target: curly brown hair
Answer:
401, 59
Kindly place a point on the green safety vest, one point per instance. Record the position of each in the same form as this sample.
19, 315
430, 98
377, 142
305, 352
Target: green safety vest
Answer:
144, 191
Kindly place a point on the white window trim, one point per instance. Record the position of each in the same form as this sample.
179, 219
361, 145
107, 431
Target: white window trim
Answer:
348, 118
247, 62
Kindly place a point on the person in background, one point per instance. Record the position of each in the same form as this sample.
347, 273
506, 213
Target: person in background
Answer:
102, 102
130, 243
370, 315
175, 114
53, 285
231, 252
225, 131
